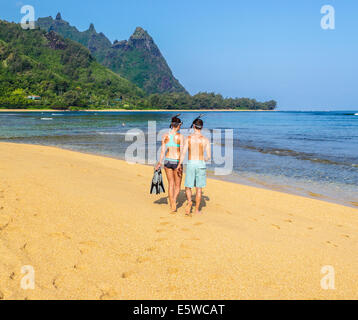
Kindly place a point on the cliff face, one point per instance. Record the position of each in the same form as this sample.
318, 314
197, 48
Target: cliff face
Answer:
138, 59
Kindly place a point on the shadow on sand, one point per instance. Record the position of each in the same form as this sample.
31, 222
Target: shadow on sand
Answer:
182, 200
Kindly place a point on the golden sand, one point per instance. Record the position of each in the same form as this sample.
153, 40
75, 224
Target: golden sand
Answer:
90, 229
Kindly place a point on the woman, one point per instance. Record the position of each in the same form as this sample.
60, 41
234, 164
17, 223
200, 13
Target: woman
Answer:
172, 144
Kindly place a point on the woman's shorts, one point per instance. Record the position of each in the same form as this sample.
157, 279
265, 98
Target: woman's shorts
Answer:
171, 164
195, 174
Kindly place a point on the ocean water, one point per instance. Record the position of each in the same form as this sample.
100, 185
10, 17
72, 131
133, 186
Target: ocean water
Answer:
308, 153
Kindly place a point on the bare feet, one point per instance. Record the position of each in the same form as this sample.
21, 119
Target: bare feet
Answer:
174, 209
188, 209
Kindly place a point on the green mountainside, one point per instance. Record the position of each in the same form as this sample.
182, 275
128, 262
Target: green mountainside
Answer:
139, 59
42, 69
61, 71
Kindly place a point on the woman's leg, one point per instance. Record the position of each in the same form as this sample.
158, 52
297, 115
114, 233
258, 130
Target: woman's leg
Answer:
177, 180
171, 187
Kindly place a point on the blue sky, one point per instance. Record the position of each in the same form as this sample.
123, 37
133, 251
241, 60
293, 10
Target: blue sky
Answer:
264, 49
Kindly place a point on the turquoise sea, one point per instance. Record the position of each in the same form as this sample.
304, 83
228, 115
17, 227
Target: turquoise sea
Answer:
307, 153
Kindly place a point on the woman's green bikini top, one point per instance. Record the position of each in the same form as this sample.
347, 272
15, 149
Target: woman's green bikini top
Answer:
171, 142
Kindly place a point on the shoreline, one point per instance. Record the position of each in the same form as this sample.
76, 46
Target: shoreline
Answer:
125, 110
90, 229
292, 190
287, 189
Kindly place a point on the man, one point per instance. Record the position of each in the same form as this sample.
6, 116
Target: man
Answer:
197, 145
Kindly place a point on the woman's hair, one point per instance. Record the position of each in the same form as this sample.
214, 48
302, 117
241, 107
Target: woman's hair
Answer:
176, 122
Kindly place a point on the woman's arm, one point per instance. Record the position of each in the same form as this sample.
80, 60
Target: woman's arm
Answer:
162, 154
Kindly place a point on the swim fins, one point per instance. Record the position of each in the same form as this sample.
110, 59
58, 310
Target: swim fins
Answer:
157, 183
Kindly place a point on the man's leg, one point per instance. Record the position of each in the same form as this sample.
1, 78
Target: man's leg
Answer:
199, 192
190, 201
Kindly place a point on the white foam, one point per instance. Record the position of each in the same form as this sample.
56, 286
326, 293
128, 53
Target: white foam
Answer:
111, 133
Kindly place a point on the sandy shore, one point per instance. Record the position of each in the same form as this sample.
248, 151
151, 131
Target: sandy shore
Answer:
90, 229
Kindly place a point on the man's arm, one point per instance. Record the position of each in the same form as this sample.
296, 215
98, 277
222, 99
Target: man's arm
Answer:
207, 149
184, 150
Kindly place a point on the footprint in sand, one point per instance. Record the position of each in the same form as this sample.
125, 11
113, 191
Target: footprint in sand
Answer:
4, 222
55, 282
142, 259
108, 294
127, 274
85, 246
276, 226
288, 221
346, 236
310, 228
331, 243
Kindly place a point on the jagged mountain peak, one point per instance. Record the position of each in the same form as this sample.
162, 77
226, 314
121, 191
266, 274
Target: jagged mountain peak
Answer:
58, 16
92, 28
140, 33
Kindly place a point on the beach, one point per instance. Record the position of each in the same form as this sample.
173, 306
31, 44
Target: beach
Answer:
90, 229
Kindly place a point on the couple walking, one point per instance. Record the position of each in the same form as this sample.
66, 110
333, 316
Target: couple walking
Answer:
174, 149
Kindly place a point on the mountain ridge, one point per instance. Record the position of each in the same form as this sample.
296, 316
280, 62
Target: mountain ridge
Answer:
137, 59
